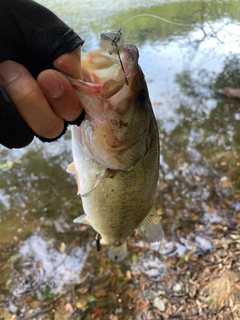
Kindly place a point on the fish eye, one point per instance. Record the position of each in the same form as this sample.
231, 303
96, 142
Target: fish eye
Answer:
142, 96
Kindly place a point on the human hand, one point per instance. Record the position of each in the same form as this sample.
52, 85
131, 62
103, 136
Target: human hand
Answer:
48, 102
44, 103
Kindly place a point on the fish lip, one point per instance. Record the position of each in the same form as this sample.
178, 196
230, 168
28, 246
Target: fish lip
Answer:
129, 59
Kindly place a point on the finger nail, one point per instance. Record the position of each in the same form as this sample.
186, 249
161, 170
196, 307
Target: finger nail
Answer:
8, 72
52, 86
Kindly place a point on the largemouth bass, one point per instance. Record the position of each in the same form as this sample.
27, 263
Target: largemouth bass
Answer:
116, 150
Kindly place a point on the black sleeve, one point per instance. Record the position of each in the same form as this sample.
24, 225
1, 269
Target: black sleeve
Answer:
33, 36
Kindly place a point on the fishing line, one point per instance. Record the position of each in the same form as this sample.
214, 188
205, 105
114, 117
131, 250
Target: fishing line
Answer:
113, 42
159, 18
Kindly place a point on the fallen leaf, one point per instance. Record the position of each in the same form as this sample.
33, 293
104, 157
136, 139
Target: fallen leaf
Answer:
62, 316
210, 210
159, 304
197, 178
91, 298
10, 317
62, 247
182, 168
230, 92
82, 304
101, 293
68, 308
128, 274
83, 290
97, 312
177, 287
225, 182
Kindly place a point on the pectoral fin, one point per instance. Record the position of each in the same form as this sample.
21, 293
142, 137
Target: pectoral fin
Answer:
91, 178
98, 178
151, 228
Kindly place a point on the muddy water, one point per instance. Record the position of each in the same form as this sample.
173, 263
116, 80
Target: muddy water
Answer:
43, 254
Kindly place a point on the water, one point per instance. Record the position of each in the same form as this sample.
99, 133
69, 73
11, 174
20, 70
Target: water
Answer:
200, 137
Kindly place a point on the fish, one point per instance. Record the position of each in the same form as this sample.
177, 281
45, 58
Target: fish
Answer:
116, 150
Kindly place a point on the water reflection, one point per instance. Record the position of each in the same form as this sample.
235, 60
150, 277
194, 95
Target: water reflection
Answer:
45, 267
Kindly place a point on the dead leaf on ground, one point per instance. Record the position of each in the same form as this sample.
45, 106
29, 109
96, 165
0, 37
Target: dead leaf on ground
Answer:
222, 290
101, 293
230, 92
62, 316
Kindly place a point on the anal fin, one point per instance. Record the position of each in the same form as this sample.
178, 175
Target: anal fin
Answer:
151, 228
82, 219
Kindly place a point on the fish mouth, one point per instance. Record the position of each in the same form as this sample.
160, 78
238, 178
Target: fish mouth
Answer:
103, 67
103, 74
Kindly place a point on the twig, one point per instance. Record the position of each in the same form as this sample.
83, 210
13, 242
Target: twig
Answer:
37, 314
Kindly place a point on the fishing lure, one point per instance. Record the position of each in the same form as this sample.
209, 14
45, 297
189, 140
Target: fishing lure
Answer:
113, 42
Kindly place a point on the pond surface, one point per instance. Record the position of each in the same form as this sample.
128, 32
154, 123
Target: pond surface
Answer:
48, 266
